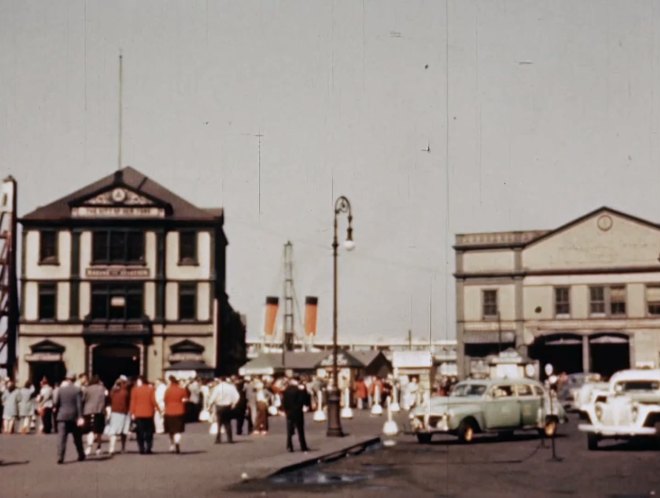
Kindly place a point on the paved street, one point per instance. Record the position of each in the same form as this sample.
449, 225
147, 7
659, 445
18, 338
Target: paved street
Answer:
203, 469
488, 467
521, 466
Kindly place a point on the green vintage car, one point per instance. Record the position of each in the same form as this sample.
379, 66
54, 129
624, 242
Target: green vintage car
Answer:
494, 405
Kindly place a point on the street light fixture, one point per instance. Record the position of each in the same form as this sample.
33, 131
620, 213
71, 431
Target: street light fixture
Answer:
342, 205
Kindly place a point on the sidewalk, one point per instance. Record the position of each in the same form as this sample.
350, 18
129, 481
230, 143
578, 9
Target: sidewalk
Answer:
202, 469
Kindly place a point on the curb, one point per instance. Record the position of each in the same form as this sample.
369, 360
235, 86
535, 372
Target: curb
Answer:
352, 450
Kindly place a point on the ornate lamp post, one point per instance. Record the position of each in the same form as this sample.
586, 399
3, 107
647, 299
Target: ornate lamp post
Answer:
342, 205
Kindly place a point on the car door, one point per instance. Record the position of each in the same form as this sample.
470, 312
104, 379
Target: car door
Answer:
530, 404
502, 410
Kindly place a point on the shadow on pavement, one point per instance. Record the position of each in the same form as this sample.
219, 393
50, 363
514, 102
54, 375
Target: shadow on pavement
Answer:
8, 464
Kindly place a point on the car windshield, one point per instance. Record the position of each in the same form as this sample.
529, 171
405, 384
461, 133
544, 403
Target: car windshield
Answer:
461, 390
637, 385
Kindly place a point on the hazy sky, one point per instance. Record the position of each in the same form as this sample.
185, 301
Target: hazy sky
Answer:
433, 117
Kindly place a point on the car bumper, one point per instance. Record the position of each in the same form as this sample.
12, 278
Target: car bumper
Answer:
429, 424
617, 430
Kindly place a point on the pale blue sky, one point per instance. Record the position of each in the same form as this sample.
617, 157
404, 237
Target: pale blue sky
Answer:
535, 113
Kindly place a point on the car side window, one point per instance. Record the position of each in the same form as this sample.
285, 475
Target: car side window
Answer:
502, 392
524, 390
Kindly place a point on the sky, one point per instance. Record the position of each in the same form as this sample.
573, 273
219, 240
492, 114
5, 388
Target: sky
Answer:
433, 117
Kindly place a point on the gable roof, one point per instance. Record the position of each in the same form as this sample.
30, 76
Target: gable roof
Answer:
600, 210
521, 239
132, 179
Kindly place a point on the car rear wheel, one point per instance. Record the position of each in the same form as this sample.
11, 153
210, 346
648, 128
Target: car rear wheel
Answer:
424, 437
592, 441
466, 431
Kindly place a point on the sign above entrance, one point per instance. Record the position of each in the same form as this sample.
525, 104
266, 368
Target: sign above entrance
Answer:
119, 272
117, 212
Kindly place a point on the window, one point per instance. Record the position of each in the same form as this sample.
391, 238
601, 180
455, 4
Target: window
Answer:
117, 301
47, 301
653, 299
118, 246
562, 301
187, 301
490, 303
524, 390
502, 392
48, 247
187, 248
608, 300
618, 300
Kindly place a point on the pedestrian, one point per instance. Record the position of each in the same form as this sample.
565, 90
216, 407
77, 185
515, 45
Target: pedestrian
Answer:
224, 398
175, 412
143, 407
45, 407
294, 400
94, 398
240, 412
161, 387
361, 394
10, 399
262, 401
26, 407
67, 406
120, 419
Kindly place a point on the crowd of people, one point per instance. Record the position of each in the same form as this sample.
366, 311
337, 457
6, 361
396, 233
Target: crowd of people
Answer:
92, 413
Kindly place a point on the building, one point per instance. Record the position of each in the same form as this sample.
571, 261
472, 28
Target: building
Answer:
125, 277
582, 297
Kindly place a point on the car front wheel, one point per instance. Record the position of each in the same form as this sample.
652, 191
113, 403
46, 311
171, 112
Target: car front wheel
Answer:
466, 431
592, 441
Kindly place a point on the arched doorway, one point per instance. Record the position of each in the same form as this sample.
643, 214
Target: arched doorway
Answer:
562, 351
609, 353
109, 361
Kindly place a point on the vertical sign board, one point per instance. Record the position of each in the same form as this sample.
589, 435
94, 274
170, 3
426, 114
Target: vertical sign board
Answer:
8, 281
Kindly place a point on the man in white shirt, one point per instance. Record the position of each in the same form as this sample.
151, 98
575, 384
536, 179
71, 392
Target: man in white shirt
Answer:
224, 397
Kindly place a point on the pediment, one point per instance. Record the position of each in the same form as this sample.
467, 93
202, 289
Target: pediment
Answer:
186, 346
119, 201
47, 346
603, 239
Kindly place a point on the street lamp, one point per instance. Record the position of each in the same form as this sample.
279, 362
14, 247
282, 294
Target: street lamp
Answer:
342, 205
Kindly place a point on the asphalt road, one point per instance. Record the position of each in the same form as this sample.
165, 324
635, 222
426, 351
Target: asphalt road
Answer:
522, 466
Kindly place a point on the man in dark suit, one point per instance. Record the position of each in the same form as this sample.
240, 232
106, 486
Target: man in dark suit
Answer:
294, 399
67, 406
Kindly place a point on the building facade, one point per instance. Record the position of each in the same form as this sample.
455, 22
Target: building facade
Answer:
582, 297
124, 277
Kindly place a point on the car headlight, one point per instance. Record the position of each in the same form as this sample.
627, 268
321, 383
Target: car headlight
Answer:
599, 411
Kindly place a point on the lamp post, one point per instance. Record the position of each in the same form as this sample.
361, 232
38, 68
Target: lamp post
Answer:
342, 205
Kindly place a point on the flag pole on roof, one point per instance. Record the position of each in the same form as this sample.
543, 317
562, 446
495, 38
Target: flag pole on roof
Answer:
121, 108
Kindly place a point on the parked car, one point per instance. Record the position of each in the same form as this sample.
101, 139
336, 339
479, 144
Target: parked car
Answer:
629, 408
492, 405
569, 393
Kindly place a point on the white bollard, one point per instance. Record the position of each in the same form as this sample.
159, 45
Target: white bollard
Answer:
390, 428
319, 414
376, 409
394, 405
347, 411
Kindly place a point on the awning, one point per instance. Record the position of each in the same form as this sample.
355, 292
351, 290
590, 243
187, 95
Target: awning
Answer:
609, 339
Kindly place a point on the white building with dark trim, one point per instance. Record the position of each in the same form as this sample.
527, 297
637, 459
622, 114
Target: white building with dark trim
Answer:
584, 296
125, 277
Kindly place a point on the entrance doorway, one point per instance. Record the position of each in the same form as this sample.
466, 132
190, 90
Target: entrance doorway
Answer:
54, 371
609, 353
562, 351
109, 361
